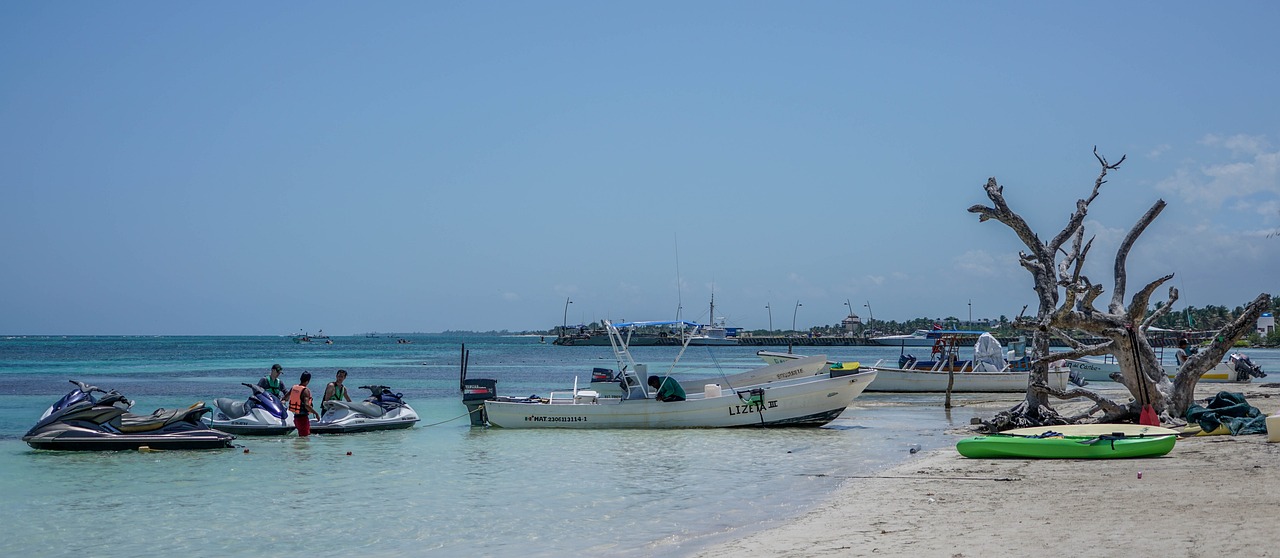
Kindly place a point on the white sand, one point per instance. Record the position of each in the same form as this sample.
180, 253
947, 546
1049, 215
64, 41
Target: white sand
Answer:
1210, 496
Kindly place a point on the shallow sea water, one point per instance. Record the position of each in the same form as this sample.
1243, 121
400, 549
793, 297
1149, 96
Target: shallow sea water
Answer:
442, 488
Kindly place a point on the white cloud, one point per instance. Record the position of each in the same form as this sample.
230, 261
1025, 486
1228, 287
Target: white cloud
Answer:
510, 296
979, 263
1253, 169
1158, 150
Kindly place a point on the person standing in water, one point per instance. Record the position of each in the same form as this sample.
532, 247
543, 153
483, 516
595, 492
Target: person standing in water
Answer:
300, 405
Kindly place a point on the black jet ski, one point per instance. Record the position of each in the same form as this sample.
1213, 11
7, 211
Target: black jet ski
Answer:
83, 421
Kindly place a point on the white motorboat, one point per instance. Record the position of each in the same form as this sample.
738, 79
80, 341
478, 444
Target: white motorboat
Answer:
713, 333
1238, 369
969, 380
991, 373
809, 400
925, 337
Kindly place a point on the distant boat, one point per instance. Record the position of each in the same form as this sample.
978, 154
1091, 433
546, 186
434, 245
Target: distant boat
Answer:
319, 337
925, 337
713, 333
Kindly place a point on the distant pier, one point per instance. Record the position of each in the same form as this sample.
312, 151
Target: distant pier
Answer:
836, 341
839, 341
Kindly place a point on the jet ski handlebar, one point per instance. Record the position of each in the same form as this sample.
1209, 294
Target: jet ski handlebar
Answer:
86, 388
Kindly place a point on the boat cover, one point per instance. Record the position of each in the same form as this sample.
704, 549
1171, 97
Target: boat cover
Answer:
1229, 409
988, 355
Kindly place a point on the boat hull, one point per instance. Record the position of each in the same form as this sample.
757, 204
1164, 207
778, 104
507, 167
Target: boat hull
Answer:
351, 428
77, 440
812, 401
900, 380
231, 427
1070, 447
1101, 372
927, 338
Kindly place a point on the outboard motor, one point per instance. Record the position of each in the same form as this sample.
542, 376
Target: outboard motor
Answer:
1245, 368
474, 393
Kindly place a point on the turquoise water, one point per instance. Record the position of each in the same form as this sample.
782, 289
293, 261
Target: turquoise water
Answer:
442, 488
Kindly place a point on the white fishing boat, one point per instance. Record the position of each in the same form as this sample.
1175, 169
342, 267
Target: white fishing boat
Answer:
988, 371
811, 400
1237, 369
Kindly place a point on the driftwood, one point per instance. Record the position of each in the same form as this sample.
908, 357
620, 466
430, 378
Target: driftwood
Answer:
1068, 302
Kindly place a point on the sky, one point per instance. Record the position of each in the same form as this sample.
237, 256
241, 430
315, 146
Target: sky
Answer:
269, 168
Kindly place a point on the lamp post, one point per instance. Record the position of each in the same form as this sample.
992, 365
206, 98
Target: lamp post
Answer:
871, 324
564, 325
791, 338
770, 309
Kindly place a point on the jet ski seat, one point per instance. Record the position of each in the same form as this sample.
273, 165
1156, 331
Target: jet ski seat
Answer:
362, 407
233, 408
142, 423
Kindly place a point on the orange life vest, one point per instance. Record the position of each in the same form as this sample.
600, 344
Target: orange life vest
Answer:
295, 399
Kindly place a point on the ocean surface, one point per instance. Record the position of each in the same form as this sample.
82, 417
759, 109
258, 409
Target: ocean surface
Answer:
442, 488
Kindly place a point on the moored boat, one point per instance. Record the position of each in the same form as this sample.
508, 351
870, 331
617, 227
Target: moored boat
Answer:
986, 372
924, 337
812, 400
1236, 369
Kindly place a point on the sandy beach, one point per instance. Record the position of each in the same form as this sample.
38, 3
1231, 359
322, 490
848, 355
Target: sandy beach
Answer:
1210, 496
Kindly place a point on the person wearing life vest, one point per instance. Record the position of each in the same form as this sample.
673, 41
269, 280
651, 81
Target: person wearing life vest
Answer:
335, 391
300, 405
273, 384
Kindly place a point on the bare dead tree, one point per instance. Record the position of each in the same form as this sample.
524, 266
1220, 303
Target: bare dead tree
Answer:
1067, 302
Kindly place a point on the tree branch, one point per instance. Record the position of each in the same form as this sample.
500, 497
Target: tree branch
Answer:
1002, 213
1108, 406
1082, 206
1161, 311
1142, 299
1122, 254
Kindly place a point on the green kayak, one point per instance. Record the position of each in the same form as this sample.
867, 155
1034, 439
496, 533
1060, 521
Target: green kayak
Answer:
1065, 447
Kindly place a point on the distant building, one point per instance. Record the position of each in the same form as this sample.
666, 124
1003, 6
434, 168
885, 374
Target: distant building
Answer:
1266, 324
851, 324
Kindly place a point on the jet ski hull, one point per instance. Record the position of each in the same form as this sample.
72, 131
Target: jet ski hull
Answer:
353, 427
252, 429
87, 440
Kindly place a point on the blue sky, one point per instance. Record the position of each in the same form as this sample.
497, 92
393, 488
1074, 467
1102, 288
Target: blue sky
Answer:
249, 168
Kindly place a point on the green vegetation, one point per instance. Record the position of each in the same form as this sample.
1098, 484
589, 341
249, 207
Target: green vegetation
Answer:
1207, 319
